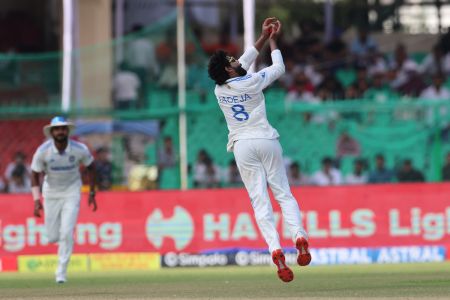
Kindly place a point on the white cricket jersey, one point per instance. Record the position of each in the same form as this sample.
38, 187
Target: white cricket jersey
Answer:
62, 170
242, 100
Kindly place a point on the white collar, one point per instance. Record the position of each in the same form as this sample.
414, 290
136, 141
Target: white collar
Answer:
55, 150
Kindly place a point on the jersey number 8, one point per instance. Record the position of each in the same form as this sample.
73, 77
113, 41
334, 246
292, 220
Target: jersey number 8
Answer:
239, 112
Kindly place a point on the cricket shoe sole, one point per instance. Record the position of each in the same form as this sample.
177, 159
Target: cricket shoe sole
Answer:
284, 273
304, 257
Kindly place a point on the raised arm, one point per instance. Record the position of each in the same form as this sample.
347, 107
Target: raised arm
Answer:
274, 37
267, 28
272, 73
249, 56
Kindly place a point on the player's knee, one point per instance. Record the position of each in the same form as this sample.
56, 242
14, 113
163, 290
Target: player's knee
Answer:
54, 238
263, 217
66, 236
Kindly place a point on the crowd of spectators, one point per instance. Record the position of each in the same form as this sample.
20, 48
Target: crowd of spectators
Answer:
319, 71
208, 175
316, 70
330, 174
315, 73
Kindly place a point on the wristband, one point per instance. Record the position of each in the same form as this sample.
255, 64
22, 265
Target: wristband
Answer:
35, 192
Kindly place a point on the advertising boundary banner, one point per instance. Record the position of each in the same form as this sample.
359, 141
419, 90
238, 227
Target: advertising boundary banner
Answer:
211, 221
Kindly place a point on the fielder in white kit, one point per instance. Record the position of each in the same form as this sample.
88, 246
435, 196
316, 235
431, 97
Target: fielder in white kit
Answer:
255, 144
60, 158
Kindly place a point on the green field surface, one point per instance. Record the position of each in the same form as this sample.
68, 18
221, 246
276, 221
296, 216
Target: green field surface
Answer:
402, 281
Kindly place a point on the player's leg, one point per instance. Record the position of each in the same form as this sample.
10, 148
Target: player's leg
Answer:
52, 219
254, 178
272, 157
69, 215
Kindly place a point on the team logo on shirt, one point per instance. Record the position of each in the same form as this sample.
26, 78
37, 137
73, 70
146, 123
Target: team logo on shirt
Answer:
71, 158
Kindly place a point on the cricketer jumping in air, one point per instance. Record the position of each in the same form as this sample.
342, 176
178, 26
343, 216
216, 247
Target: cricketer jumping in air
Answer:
255, 144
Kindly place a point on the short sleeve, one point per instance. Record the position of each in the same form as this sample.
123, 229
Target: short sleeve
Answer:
268, 75
37, 164
87, 157
248, 58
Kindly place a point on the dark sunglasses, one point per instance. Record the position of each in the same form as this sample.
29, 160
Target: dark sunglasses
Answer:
231, 59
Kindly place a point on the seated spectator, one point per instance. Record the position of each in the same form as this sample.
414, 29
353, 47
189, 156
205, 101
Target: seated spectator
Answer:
352, 92
408, 174
20, 181
446, 169
356, 90
404, 74
328, 175
167, 156
362, 45
330, 89
347, 146
302, 90
232, 176
379, 91
376, 63
296, 177
436, 91
18, 160
361, 82
358, 176
126, 86
103, 169
206, 174
381, 174
435, 62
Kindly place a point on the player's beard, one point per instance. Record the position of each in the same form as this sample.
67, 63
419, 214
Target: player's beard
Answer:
62, 138
240, 71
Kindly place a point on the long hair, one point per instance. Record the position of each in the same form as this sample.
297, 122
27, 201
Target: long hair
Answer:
216, 67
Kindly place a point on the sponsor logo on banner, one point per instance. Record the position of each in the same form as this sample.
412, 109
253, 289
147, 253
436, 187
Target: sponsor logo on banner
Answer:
197, 221
48, 263
340, 256
124, 261
16, 237
173, 259
258, 258
179, 228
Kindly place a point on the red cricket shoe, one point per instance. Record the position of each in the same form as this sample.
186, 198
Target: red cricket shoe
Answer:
304, 257
284, 273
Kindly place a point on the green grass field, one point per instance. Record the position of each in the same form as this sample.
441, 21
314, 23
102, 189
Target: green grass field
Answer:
403, 281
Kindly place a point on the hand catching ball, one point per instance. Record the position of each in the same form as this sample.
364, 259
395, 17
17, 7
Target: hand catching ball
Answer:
270, 25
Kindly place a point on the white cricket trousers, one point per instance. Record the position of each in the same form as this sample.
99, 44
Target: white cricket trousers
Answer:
60, 218
260, 161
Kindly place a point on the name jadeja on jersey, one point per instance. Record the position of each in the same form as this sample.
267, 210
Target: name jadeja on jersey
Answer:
234, 99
